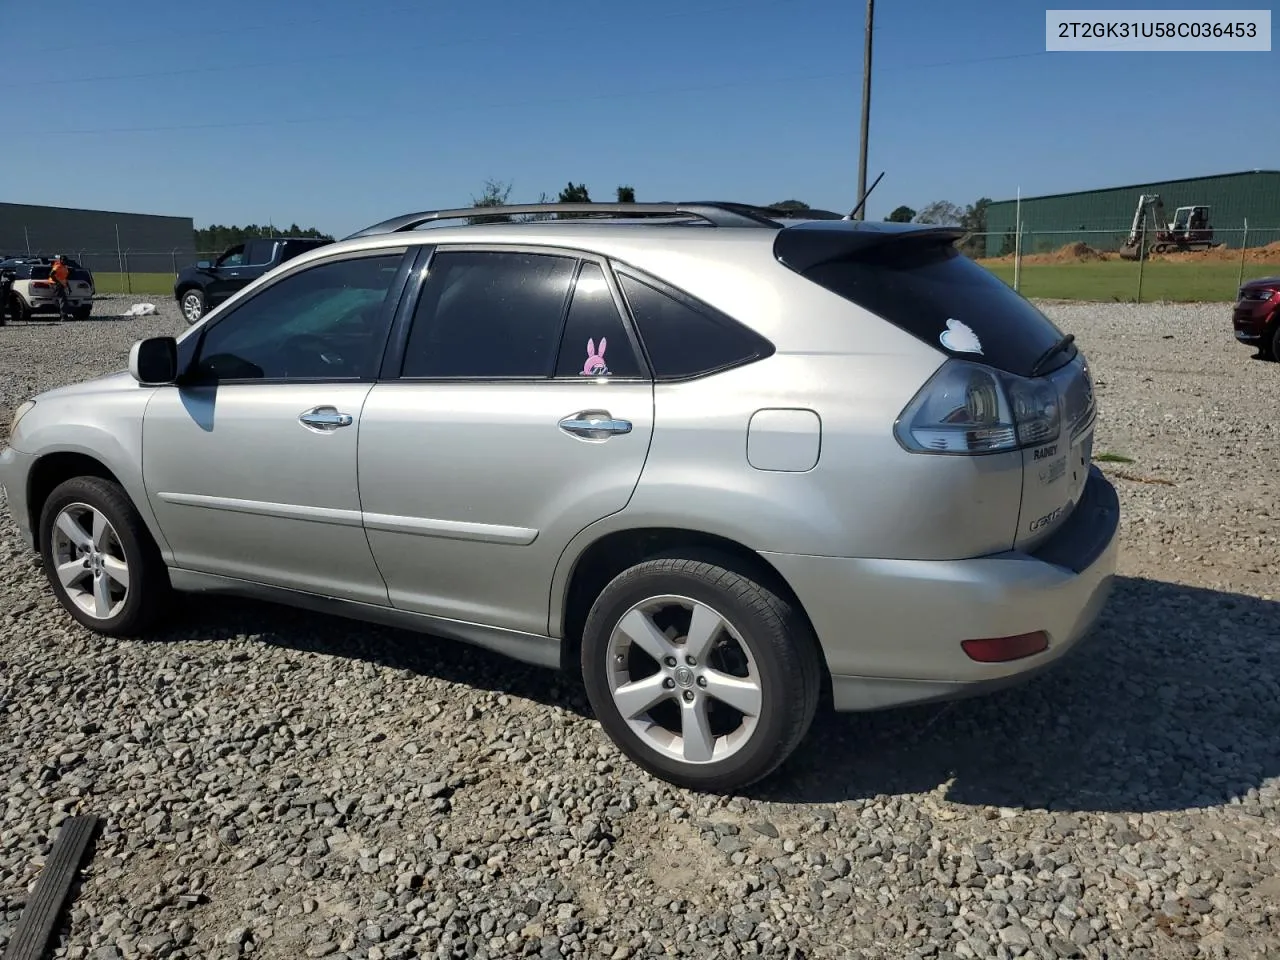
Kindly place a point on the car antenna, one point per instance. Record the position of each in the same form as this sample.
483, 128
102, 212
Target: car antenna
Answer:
854, 212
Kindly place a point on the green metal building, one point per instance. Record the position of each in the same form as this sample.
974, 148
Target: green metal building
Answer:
1102, 218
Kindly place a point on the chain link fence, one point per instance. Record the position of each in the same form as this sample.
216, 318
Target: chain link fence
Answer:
1075, 264
1051, 264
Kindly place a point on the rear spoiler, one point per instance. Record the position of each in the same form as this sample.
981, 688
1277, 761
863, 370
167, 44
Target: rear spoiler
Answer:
806, 245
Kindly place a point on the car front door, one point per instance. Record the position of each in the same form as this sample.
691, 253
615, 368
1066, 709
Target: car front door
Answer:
249, 461
224, 275
522, 414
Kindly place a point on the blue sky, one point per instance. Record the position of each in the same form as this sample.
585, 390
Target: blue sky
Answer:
325, 115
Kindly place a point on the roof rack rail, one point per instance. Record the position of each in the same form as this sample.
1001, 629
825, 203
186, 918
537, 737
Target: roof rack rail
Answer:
715, 213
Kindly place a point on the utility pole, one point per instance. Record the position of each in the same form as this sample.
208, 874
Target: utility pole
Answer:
866, 107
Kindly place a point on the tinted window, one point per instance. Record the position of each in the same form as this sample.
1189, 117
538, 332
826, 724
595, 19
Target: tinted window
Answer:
595, 341
684, 341
326, 323
235, 257
261, 251
489, 315
924, 288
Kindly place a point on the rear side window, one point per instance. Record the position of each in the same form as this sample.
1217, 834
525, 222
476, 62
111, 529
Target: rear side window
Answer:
595, 341
932, 291
684, 339
489, 315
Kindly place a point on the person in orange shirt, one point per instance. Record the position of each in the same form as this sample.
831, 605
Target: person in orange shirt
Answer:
60, 274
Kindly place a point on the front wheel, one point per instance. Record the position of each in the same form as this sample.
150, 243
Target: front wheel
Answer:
701, 675
100, 559
1271, 341
193, 306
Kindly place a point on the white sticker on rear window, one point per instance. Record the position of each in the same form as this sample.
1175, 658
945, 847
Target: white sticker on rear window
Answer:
959, 338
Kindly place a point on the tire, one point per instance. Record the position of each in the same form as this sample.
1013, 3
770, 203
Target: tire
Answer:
773, 646
127, 611
1271, 341
83, 313
18, 309
193, 305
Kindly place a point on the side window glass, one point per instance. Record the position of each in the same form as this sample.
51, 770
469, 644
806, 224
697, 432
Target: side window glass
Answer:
260, 252
683, 341
489, 315
234, 257
595, 342
324, 323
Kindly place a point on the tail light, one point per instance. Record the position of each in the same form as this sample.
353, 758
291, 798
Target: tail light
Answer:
966, 408
1004, 649
41, 285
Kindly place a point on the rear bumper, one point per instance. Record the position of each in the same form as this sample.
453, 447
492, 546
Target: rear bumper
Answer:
14, 468
891, 630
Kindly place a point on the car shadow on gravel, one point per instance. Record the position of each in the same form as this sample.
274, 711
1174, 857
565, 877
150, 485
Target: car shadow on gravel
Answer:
1174, 704
211, 619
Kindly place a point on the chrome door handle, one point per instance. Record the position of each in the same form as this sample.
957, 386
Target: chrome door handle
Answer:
594, 425
325, 419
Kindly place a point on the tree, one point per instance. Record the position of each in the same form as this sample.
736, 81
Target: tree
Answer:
216, 237
573, 193
790, 206
626, 194
940, 212
974, 220
902, 214
495, 194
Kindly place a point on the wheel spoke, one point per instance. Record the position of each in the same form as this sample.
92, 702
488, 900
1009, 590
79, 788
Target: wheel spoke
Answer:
100, 529
117, 570
102, 597
704, 628
639, 629
738, 692
72, 572
73, 531
639, 697
695, 731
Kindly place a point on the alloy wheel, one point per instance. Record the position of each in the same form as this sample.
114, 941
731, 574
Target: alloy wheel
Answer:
89, 561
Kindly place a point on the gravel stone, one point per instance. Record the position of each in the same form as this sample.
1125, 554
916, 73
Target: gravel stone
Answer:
282, 785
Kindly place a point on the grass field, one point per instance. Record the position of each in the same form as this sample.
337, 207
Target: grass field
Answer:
1111, 280
145, 284
1117, 280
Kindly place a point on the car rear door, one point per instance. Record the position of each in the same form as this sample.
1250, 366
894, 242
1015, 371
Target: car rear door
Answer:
517, 412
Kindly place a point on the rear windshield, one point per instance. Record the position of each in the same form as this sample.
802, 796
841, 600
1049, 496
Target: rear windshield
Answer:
40, 273
934, 292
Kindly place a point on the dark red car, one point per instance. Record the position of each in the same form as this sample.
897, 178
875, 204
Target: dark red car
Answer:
1256, 318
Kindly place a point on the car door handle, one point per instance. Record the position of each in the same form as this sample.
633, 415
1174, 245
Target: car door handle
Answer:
594, 425
325, 419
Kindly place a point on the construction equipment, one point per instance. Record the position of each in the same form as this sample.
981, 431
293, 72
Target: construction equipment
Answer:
1190, 229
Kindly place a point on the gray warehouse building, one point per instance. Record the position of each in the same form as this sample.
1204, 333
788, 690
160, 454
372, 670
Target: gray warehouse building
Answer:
100, 239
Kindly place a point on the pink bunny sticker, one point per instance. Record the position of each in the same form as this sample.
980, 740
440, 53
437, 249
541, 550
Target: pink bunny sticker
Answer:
595, 365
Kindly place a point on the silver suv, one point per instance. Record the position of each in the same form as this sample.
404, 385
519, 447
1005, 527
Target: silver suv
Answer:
726, 466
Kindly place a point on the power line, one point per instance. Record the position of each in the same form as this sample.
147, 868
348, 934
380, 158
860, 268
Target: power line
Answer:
348, 54
434, 110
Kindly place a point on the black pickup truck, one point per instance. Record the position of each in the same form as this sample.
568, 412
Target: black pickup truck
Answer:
202, 287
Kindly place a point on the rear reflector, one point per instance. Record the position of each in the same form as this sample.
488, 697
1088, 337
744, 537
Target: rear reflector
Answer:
1001, 649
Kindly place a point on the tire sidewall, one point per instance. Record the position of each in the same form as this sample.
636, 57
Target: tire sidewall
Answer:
750, 762
90, 491
199, 298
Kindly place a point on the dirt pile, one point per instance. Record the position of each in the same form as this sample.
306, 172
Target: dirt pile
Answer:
1080, 252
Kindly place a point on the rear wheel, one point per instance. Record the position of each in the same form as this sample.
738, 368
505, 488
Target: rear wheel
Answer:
83, 313
18, 308
100, 559
193, 306
703, 676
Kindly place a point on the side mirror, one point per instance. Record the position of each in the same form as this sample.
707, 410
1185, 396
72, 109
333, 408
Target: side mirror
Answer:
154, 360
204, 265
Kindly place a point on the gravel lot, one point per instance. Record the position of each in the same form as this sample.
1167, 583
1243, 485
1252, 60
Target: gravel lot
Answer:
279, 785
